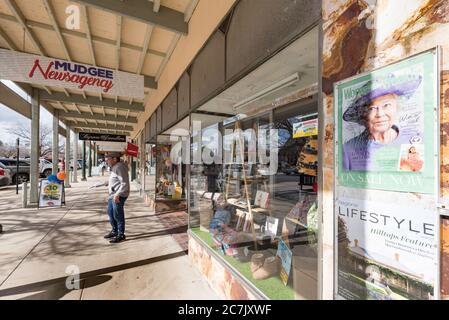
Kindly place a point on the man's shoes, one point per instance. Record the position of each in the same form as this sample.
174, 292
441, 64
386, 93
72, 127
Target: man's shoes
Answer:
118, 239
110, 235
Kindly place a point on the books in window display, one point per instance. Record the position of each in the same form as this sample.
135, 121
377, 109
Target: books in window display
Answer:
259, 211
301, 212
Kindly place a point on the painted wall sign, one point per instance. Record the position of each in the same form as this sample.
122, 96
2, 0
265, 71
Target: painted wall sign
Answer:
102, 137
386, 127
35, 69
386, 181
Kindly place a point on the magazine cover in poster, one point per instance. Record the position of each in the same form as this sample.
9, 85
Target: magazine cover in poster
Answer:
386, 124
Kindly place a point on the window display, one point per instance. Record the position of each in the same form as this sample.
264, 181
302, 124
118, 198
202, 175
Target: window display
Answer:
170, 176
150, 174
262, 221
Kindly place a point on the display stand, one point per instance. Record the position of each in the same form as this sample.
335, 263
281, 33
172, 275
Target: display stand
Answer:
245, 183
42, 200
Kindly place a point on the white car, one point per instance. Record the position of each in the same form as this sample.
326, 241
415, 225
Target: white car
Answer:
45, 168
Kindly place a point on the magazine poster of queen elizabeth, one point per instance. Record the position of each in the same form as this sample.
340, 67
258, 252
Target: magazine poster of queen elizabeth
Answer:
387, 127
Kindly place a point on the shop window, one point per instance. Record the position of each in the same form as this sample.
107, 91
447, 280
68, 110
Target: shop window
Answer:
171, 181
255, 204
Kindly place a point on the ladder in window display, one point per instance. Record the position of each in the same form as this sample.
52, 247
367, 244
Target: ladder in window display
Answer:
249, 219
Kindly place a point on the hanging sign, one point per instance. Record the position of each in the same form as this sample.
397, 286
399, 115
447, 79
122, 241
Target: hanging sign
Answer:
51, 194
23, 67
305, 128
132, 150
102, 137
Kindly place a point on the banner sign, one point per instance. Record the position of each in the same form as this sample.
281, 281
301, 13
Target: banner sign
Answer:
305, 128
45, 71
132, 150
51, 194
119, 147
386, 127
386, 181
102, 137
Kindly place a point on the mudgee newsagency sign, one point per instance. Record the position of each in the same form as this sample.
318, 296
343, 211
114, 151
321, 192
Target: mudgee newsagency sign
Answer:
30, 68
386, 181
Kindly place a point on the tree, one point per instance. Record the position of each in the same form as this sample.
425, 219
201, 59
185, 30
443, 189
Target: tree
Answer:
45, 139
7, 151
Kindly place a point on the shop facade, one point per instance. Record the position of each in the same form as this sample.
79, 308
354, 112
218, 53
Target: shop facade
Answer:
256, 143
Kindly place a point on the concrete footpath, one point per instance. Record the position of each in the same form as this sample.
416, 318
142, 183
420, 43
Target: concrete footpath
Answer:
39, 249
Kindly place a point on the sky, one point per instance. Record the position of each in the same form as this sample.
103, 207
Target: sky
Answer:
10, 119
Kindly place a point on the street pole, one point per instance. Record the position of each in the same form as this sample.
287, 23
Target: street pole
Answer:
17, 165
95, 155
90, 159
84, 161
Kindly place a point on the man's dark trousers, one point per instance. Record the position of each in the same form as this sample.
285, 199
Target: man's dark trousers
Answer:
116, 213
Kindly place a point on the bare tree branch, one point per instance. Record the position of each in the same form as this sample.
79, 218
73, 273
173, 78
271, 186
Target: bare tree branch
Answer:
45, 141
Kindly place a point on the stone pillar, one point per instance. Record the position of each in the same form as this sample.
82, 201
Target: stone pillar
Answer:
55, 147
75, 157
67, 158
35, 152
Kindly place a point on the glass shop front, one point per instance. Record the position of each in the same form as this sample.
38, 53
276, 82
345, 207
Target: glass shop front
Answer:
171, 169
253, 176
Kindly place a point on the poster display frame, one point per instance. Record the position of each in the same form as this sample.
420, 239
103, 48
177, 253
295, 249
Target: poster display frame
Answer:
63, 203
436, 63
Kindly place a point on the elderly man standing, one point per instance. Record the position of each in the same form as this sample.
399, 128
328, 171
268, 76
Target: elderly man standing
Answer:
118, 193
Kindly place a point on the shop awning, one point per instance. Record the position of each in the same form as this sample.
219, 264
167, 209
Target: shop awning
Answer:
131, 36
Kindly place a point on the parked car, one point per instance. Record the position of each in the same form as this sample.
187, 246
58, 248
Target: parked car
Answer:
24, 169
45, 168
5, 175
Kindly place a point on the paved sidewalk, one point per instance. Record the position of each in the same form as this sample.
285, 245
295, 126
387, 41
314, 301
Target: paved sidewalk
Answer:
40, 248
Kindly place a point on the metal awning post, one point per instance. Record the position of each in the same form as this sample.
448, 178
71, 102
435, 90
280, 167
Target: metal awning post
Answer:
84, 161
55, 147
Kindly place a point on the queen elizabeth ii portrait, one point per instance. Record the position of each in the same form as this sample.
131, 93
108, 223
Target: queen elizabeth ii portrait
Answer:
377, 111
